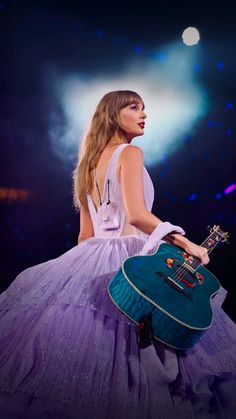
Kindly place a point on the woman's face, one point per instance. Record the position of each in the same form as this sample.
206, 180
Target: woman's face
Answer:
132, 119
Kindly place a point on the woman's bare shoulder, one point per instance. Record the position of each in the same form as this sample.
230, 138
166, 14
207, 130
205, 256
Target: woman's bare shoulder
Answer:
131, 152
130, 159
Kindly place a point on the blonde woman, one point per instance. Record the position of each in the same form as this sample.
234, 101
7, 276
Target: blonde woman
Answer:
66, 351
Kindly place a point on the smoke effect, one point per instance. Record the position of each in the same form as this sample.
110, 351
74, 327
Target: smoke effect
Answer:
174, 102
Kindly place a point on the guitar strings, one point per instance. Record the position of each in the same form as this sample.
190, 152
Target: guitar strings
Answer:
181, 270
209, 247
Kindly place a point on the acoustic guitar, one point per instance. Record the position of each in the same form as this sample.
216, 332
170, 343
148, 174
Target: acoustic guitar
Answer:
171, 288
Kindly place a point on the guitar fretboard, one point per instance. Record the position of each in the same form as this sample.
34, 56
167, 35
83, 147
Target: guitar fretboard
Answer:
209, 243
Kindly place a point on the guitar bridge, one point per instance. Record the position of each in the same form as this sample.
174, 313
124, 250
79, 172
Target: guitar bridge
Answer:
174, 284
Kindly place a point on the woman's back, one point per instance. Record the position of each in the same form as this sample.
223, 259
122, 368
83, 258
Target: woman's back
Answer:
101, 170
107, 187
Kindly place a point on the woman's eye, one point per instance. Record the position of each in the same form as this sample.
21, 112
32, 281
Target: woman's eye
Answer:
134, 107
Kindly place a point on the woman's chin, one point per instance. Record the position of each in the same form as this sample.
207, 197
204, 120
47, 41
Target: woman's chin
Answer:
132, 135
141, 133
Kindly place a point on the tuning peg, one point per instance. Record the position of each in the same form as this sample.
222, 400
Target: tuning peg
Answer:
214, 228
225, 240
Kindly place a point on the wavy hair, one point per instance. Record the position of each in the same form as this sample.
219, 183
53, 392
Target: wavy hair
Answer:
105, 125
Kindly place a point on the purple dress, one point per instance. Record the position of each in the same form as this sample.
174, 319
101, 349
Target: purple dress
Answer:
66, 351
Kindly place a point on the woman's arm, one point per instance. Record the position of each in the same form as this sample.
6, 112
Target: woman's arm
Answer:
131, 178
86, 225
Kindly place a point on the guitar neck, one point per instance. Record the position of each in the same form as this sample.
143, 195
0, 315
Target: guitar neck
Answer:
212, 241
209, 243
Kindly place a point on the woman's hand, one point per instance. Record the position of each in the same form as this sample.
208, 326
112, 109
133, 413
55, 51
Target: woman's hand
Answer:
198, 251
188, 246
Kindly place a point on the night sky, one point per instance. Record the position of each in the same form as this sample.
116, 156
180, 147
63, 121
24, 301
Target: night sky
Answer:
40, 39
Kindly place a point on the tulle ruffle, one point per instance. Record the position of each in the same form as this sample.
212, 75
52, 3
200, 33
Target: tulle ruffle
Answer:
67, 351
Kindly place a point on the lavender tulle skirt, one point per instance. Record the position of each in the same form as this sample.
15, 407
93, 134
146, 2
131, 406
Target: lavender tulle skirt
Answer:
67, 352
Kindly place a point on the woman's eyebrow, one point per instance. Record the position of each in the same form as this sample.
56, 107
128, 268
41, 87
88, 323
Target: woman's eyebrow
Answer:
140, 104
137, 103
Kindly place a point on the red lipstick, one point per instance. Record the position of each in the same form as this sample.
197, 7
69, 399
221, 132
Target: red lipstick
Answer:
142, 124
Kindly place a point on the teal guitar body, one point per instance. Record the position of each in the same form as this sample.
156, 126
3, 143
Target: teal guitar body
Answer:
169, 286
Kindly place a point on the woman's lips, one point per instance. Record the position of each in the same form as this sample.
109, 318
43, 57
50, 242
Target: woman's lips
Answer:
142, 124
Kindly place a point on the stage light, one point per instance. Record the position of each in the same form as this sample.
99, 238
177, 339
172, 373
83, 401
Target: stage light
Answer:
196, 67
13, 194
220, 65
229, 131
230, 189
190, 36
192, 197
161, 56
138, 49
175, 102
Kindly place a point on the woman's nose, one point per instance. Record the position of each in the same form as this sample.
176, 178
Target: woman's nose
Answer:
144, 115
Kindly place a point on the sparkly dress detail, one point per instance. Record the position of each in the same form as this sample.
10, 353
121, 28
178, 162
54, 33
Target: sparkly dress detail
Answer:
66, 351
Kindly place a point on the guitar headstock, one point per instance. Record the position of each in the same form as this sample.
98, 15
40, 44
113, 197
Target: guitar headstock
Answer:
220, 234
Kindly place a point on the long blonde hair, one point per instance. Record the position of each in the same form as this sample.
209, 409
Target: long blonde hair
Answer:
104, 126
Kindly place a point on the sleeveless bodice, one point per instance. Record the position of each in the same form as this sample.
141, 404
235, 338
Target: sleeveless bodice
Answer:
115, 196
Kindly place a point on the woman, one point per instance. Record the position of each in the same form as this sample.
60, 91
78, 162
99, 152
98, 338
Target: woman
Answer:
66, 350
